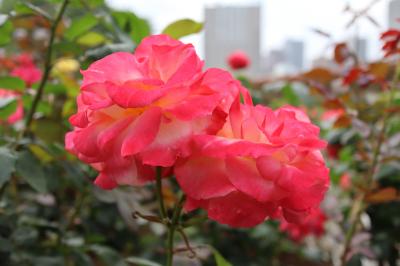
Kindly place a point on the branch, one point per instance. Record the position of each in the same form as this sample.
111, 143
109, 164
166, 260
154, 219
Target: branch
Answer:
47, 68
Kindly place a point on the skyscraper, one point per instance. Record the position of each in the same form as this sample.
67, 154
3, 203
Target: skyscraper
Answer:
294, 54
232, 28
394, 14
360, 46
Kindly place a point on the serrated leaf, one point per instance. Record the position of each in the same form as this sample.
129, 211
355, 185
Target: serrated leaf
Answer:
12, 83
30, 169
80, 26
7, 165
183, 27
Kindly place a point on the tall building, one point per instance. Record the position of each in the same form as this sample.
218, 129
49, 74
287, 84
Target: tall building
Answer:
360, 47
232, 28
294, 54
394, 14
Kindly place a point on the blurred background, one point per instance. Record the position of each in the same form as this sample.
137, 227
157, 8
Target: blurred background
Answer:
281, 37
323, 56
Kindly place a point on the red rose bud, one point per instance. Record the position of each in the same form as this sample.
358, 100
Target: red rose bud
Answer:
238, 60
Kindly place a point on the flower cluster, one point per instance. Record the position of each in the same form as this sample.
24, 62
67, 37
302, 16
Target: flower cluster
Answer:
23, 67
157, 107
26, 69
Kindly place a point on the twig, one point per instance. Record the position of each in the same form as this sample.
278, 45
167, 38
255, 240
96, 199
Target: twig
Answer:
163, 212
172, 226
47, 68
187, 244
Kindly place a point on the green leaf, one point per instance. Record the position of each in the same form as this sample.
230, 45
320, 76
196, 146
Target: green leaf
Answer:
47, 129
57, 89
68, 48
22, 9
137, 28
30, 169
6, 30
12, 83
219, 260
91, 39
290, 96
81, 26
141, 262
7, 165
7, 107
183, 27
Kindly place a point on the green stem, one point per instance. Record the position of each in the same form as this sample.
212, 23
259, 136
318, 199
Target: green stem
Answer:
160, 199
47, 68
172, 227
359, 205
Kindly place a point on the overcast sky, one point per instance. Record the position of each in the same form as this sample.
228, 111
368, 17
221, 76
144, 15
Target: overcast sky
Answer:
281, 20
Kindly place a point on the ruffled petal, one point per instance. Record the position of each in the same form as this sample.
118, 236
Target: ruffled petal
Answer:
200, 181
238, 210
244, 175
117, 68
142, 132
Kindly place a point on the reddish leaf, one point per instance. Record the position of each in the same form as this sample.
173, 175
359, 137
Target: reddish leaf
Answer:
319, 75
383, 195
341, 53
379, 69
343, 121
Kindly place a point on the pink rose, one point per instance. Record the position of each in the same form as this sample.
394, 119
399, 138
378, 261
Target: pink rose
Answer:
261, 160
19, 112
137, 111
313, 224
26, 70
238, 60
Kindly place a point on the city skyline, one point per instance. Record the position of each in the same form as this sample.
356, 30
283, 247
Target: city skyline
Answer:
276, 25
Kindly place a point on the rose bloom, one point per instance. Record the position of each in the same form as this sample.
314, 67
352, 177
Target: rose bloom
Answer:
312, 225
26, 69
19, 111
238, 60
261, 160
137, 111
